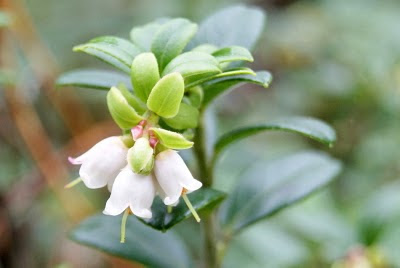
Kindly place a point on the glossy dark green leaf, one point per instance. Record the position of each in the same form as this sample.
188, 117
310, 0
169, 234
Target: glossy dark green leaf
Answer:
191, 82
171, 39
237, 25
216, 87
232, 53
309, 127
267, 188
202, 199
113, 50
92, 78
143, 244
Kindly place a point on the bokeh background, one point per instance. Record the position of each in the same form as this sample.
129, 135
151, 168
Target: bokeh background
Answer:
335, 60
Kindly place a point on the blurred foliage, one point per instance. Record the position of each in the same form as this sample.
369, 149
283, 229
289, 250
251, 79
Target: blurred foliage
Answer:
335, 60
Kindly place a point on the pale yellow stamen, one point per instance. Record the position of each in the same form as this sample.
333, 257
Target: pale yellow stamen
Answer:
169, 209
123, 225
189, 205
73, 183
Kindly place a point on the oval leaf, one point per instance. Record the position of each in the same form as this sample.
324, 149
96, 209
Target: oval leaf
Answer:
166, 95
193, 63
268, 187
309, 127
122, 113
233, 53
227, 73
202, 199
92, 78
233, 26
171, 39
187, 117
142, 36
172, 139
113, 50
216, 87
143, 244
144, 74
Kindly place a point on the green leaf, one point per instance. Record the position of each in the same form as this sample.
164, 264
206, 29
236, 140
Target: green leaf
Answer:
242, 71
166, 95
309, 127
144, 74
267, 188
191, 64
233, 53
113, 50
132, 99
142, 36
216, 87
143, 244
233, 26
206, 48
187, 117
92, 78
123, 114
171, 39
202, 199
195, 95
171, 139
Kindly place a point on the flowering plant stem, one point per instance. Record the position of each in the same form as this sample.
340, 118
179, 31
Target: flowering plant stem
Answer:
206, 176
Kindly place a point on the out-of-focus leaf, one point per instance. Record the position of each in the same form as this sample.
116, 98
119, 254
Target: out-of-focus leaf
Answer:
269, 187
142, 36
215, 87
193, 63
171, 39
113, 50
309, 127
92, 78
200, 199
5, 19
143, 244
232, 53
187, 117
233, 26
227, 73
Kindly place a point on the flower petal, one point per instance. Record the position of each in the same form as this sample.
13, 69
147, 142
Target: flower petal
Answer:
131, 190
102, 162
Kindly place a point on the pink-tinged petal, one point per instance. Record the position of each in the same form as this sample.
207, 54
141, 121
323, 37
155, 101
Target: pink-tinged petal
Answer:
74, 161
102, 163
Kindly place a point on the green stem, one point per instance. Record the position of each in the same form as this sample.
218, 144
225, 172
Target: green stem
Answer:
206, 176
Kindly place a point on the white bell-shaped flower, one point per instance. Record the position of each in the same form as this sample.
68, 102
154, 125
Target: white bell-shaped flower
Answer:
173, 176
102, 163
131, 190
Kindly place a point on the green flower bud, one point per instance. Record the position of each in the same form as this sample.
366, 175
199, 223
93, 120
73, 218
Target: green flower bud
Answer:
166, 96
187, 117
123, 114
144, 74
170, 139
140, 155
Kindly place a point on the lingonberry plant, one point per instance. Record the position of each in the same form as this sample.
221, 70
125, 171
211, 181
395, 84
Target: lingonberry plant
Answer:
169, 73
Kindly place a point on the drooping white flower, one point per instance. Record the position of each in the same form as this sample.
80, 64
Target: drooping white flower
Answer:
102, 163
173, 176
131, 190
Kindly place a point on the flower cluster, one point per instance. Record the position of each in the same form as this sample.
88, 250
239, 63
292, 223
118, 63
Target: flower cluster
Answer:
112, 163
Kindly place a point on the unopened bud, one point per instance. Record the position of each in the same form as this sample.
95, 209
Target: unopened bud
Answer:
137, 131
140, 155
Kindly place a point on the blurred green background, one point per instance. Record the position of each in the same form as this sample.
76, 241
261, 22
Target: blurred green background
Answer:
335, 60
